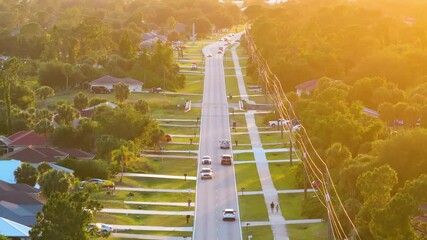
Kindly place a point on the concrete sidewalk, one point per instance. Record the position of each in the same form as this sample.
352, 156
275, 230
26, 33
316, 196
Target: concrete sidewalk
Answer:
288, 191
269, 161
268, 223
260, 149
278, 226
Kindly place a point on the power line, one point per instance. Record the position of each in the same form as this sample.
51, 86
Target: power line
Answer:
314, 166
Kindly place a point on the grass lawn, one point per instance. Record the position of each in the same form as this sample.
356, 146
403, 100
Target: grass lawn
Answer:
283, 175
241, 138
291, 205
258, 232
243, 156
239, 119
159, 233
277, 155
122, 205
231, 86
144, 196
181, 146
251, 208
145, 220
274, 137
308, 231
170, 166
161, 183
181, 130
247, 177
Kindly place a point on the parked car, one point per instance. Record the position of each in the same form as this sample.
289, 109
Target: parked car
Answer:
156, 90
99, 90
193, 66
279, 122
206, 160
229, 215
96, 181
224, 144
168, 137
296, 128
206, 173
99, 229
226, 159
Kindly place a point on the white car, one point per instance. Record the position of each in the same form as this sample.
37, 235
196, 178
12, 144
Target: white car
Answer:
206, 160
296, 128
206, 173
209, 55
229, 215
99, 228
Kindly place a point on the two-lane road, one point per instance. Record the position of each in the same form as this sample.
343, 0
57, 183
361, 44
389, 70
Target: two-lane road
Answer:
213, 196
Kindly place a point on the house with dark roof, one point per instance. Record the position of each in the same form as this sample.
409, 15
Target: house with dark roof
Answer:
33, 154
150, 38
306, 87
88, 112
108, 82
19, 203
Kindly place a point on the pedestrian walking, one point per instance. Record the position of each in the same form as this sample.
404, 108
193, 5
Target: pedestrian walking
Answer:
272, 207
277, 208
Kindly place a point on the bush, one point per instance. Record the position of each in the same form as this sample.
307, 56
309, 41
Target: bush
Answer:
86, 169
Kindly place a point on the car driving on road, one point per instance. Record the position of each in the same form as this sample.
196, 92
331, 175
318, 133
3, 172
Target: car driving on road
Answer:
206, 173
226, 159
224, 144
206, 160
229, 215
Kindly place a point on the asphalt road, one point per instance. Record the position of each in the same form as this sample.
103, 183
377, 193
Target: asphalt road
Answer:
213, 196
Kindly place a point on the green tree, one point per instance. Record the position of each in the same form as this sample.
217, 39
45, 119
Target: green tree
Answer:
336, 154
44, 127
8, 75
2, 237
44, 92
81, 101
65, 114
122, 155
127, 47
55, 181
121, 91
375, 195
142, 106
67, 70
26, 174
43, 167
86, 133
105, 144
79, 210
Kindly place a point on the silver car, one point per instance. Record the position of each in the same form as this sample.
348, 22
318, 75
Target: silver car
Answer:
206, 173
206, 160
224, 144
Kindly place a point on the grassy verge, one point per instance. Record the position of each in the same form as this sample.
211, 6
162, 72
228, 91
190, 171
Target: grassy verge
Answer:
145, 220
144, 196
308, 231
161, 183
243, 156
257, 232
283, 175
122, 205
247, 177
180, 166
291, 205
274, 137
278, 155
251, 208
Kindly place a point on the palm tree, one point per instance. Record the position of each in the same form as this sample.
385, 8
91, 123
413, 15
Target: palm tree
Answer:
122, 154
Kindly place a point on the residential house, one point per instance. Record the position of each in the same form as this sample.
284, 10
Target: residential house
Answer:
32, 154
108, 82
306, 87
19, 203
14, 230
88, 112
22, 139
150, 38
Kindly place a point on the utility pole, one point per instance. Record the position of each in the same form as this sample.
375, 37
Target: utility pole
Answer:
305, 175
290, 151
328, 207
